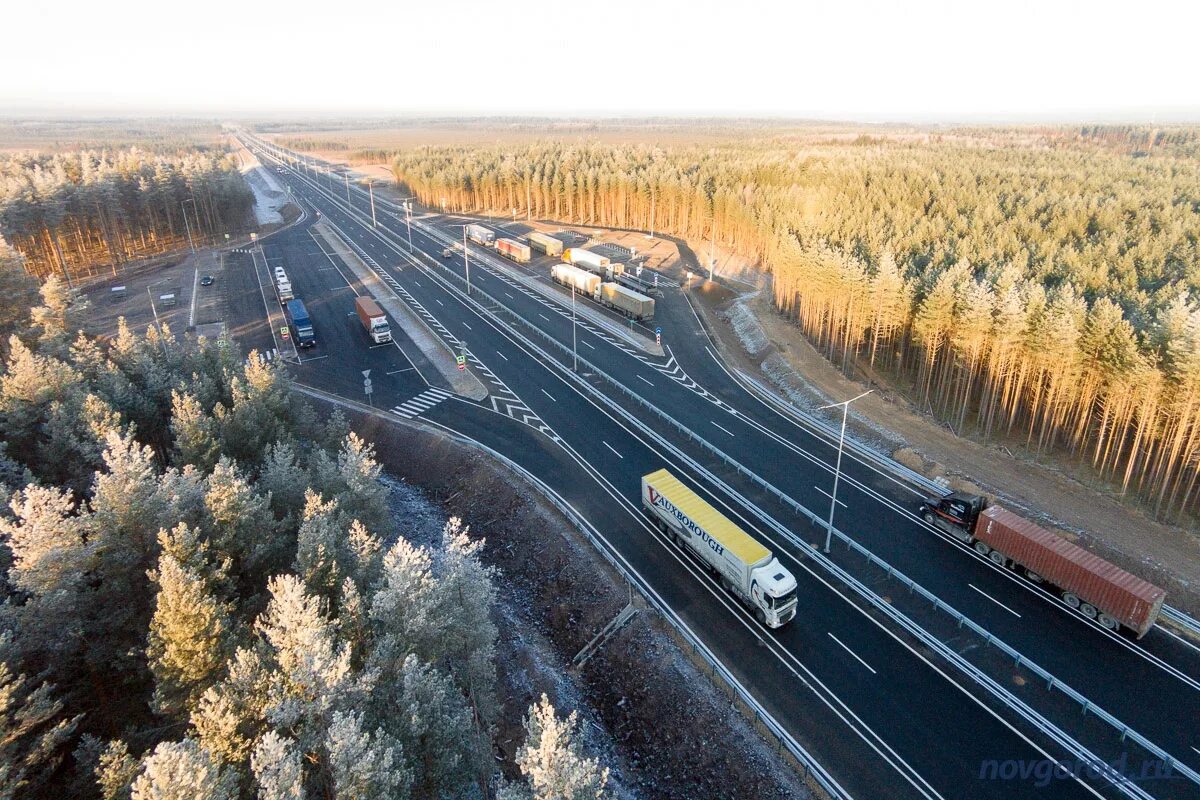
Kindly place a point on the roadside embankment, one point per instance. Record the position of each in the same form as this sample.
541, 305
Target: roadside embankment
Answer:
668, 731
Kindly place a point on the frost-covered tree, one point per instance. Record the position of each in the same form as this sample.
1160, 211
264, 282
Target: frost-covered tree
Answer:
363, 765
320, 547
310, 669
231, 714
405, 610
115, 770
241, 522
183, 771
552, 758
353, 480
285, 481
191, 630
195, 433
277, 768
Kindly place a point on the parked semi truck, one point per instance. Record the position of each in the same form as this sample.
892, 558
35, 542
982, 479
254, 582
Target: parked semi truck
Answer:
480, 235
373, 320
743, 565
298, 316
580, 279
510, 248
1087, 583
630, 303
578, 257
545, 243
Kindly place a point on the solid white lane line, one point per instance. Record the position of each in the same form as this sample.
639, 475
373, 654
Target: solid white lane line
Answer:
468, 327
502, 355
994, 600
439, 302
1198, 751
827, 494
589, 345
510, 297
543, 316
398, 371
731, 433
548, 395
851, 652
643, 380
610, 447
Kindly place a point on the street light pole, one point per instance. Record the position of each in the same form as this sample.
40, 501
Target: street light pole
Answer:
574, 335
408, 222
466, 262
371, 189
837, 470
347, 177
187, 225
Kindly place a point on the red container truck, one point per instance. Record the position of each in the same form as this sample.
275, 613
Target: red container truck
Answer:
1094, 587
515, 250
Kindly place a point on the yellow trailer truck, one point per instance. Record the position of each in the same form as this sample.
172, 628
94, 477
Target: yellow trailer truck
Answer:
745, 568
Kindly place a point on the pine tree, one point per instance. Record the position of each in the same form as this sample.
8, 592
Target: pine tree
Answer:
190, 634
33, 729
552, 757
195, 433
364, 766
183, 771
276, 763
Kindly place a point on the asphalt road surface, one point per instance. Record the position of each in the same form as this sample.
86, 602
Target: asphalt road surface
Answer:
886, 715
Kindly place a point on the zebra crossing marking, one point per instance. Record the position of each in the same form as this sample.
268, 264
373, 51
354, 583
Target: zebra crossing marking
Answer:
415, 406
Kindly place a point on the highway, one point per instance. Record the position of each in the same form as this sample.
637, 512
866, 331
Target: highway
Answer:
841, 678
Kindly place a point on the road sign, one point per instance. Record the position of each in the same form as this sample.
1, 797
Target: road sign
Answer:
639, 270
367, 374
284, 331
367, 386
658, 331
462, 362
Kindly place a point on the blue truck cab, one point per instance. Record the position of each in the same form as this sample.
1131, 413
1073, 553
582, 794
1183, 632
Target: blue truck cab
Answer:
298, 316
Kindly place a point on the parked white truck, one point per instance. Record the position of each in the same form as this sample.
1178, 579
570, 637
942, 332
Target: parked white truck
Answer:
744, 566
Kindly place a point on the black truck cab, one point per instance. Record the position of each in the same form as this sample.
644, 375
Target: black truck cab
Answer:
955, 513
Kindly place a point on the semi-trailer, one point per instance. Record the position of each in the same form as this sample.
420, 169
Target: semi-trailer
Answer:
373, 320
545, 243
745, 568
630, 303
574, 277
510, 248
1086, 582
578, 257
480, 235
298, 316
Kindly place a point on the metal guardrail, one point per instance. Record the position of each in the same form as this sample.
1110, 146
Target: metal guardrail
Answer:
1020, 707
812, 768
1014, 703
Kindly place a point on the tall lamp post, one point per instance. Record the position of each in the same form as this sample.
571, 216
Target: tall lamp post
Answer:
574, 329
466, 262
837, 470
408, 222
371, 189
187, 225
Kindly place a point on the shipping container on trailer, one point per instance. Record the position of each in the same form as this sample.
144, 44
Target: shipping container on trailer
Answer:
373, 320
518, 252
546, 243
480, 235
1089, 583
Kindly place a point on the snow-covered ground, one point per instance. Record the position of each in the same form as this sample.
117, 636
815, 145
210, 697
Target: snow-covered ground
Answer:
269, 196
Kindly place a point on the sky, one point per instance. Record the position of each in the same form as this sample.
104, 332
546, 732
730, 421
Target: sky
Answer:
866, 60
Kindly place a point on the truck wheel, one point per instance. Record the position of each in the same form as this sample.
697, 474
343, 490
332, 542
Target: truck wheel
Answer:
760, 616
1108, 622
928, 517
982, 548
725, 584
1088, 610
1071, 600
998, 558
1033, 576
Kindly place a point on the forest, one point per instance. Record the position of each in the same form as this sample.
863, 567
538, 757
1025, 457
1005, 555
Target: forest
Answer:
86, 212
206, 597
1035, 287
